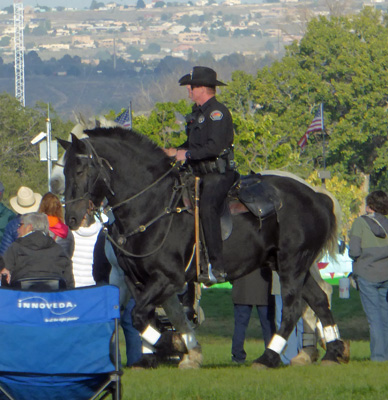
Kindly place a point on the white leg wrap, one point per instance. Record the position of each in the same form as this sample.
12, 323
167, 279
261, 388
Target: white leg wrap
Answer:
146, 348
277, 344
151, 335
336, 331
320, 329
331, 333
190, 340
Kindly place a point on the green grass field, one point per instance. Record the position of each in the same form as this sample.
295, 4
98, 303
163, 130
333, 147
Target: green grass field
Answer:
219, 378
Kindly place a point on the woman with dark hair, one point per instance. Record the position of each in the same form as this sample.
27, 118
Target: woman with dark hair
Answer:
59, 231
368, 247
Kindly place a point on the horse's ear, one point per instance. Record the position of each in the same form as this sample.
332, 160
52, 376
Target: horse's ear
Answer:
78, 144
64, 143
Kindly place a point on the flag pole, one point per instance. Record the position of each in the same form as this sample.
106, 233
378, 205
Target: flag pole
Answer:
323, 140
323, 174
130, 113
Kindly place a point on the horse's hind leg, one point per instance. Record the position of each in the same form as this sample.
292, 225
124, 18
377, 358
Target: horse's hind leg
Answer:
336, 349
291, 288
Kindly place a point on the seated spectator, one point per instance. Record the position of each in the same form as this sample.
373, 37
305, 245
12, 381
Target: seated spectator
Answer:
85, 238
6, 214
35, 254
59, 231
106, 269
26, 201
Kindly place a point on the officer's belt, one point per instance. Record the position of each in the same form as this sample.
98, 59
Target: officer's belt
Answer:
207, 167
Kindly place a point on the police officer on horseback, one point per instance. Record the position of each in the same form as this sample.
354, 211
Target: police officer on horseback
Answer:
209, 152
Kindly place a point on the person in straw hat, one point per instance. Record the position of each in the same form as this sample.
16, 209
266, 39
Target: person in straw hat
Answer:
24, 202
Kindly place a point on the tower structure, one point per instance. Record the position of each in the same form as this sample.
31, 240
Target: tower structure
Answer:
18, 20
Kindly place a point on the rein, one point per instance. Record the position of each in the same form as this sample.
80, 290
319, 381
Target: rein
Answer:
171, 209
144, 190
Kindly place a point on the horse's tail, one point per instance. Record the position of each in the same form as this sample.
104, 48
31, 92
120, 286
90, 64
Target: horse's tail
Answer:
331, 245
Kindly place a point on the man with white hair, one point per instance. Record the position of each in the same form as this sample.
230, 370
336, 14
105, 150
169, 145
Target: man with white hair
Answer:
35, 254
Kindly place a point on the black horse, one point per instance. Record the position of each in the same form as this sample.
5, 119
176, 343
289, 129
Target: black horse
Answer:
153, 234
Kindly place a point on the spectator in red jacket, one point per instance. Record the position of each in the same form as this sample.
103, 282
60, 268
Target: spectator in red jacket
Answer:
59, 231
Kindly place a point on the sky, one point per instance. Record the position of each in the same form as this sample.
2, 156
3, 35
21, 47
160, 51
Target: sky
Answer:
64, 3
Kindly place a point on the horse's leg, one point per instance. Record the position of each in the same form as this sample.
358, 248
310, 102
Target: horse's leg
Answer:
291, 288
157, 290
177, 316
312, 325
336, 350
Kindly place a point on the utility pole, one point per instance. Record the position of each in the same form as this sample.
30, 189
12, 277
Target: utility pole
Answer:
48, 148
18, 20
49, 158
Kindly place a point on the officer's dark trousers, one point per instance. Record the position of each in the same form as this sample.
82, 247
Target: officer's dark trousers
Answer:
214, 189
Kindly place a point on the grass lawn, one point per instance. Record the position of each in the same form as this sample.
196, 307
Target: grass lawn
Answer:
219, 378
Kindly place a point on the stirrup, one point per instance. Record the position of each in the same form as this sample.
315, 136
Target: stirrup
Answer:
208, 277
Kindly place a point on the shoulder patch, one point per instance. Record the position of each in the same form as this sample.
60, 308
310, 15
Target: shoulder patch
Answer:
216, 115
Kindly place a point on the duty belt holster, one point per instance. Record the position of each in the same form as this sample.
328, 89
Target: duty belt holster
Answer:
219, 165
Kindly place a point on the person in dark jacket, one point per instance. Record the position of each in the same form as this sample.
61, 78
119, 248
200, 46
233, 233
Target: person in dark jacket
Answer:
252, 290
35, 254
368, 247
59, 231
6, 215
209, 152
26, 201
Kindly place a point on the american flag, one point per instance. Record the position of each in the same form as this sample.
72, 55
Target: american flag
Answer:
124, 119
316, 125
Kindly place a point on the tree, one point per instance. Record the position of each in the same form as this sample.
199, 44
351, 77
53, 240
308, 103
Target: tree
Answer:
159, 4
342, 63
134, 52
19, 159
5, 41
153, 48
140, 4
95, 5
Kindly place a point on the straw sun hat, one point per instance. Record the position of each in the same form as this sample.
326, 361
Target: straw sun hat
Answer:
25, 201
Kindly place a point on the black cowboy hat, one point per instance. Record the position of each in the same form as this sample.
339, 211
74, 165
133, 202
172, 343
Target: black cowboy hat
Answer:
201, 76
185, 80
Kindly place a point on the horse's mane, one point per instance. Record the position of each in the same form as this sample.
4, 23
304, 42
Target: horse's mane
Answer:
128, 135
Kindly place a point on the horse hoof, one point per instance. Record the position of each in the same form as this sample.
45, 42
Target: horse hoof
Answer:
329, 363
346, 353
307, 356
193, 359
187, 363
259, 367
178, 343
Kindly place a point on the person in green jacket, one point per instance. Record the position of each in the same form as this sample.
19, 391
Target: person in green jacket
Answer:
6, 214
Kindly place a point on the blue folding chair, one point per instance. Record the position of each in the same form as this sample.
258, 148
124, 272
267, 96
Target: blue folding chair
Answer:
60, 345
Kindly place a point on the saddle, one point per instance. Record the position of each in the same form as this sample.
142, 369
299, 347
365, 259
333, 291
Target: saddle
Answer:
248, 194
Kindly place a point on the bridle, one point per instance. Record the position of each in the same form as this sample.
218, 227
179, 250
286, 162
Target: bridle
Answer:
104, 168
94, 160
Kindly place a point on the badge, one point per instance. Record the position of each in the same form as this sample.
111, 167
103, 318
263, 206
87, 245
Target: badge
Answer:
216, 115
201, 119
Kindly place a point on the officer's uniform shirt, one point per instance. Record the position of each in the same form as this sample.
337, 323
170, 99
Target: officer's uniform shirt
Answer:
209, 130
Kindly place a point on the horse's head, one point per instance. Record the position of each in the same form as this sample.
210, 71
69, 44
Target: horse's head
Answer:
87, 180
